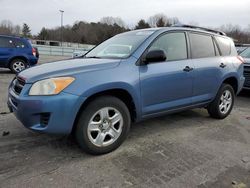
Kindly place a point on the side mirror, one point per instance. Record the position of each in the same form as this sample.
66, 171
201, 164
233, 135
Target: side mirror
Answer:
155, 56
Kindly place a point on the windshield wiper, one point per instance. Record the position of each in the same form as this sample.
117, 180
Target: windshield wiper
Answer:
93, 57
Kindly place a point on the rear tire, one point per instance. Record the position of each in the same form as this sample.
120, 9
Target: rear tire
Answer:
17, 65
103, 125
223, 103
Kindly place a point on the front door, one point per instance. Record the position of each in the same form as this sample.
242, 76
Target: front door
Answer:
167, 85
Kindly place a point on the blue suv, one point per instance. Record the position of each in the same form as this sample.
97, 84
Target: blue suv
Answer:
129, 78
16, 53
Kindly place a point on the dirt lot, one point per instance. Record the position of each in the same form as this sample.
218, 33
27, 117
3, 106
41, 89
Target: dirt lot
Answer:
188, 149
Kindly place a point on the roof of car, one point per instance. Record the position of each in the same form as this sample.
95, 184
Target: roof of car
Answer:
12, 36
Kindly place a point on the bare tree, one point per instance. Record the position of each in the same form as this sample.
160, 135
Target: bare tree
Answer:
6, 27
17, 30
158, 20
112, 20
173, 21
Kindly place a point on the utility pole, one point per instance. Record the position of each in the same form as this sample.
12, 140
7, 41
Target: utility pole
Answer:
61, 11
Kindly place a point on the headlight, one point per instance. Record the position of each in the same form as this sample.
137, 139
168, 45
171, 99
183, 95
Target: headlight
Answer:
51, 86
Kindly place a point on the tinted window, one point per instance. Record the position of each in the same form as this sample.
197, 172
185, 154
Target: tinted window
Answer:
224, 45
246, 53
6, 43
173, 44
201, 45
19, 43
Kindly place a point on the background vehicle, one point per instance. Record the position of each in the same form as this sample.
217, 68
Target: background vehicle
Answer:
153, 72
246, 55
16, 53
241, 47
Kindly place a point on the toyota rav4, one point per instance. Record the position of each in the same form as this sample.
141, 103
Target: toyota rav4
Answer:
131, 77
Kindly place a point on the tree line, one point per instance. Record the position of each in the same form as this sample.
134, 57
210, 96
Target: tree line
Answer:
96, 32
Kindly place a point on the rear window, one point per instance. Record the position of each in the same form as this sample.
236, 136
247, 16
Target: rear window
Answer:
201, 45
224, 45
6, 42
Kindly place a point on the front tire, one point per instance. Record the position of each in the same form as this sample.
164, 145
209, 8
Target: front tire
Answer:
223, 103
17, 65
103, 125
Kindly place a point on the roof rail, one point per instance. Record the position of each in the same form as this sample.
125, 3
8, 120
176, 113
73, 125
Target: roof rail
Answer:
201, 28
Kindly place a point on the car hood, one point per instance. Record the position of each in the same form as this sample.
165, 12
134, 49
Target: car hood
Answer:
66, 67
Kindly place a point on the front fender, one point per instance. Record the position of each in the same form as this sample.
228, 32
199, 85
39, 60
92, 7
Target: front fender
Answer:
125, 76
117, 85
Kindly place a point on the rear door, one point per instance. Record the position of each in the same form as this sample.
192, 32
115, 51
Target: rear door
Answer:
7, 49
207, 66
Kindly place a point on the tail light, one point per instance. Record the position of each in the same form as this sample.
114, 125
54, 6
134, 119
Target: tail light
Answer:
241, 59
34, 52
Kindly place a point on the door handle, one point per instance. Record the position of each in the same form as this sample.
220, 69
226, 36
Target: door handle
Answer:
188, 69
222, 65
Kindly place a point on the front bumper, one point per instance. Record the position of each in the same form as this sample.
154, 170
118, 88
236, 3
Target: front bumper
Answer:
49, 114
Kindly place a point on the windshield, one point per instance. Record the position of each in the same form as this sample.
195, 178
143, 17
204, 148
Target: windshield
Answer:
120, 46
246, 53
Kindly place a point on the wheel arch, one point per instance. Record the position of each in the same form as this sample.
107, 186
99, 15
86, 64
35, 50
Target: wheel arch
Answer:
17, 57
120, 93
233, 81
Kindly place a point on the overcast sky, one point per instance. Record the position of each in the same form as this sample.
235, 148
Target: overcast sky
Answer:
45, 13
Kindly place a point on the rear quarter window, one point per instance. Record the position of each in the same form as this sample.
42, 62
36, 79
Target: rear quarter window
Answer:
20, 44
202, 46
224, 45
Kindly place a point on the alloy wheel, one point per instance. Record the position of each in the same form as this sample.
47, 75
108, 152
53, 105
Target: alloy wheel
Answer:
225, 102
105, 127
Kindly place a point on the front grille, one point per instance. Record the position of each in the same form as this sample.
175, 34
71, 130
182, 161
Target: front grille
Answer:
44, 119
247, 76
17, 85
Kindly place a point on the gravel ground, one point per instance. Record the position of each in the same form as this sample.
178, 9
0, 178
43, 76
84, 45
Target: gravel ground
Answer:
187, 149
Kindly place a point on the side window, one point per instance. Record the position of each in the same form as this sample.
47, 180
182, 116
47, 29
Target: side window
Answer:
224, 45
19, 43
201, 46
173, 44
6, 43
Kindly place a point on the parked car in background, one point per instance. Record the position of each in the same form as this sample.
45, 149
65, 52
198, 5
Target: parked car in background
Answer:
148, 73
246, 55
77, 54
17, 53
